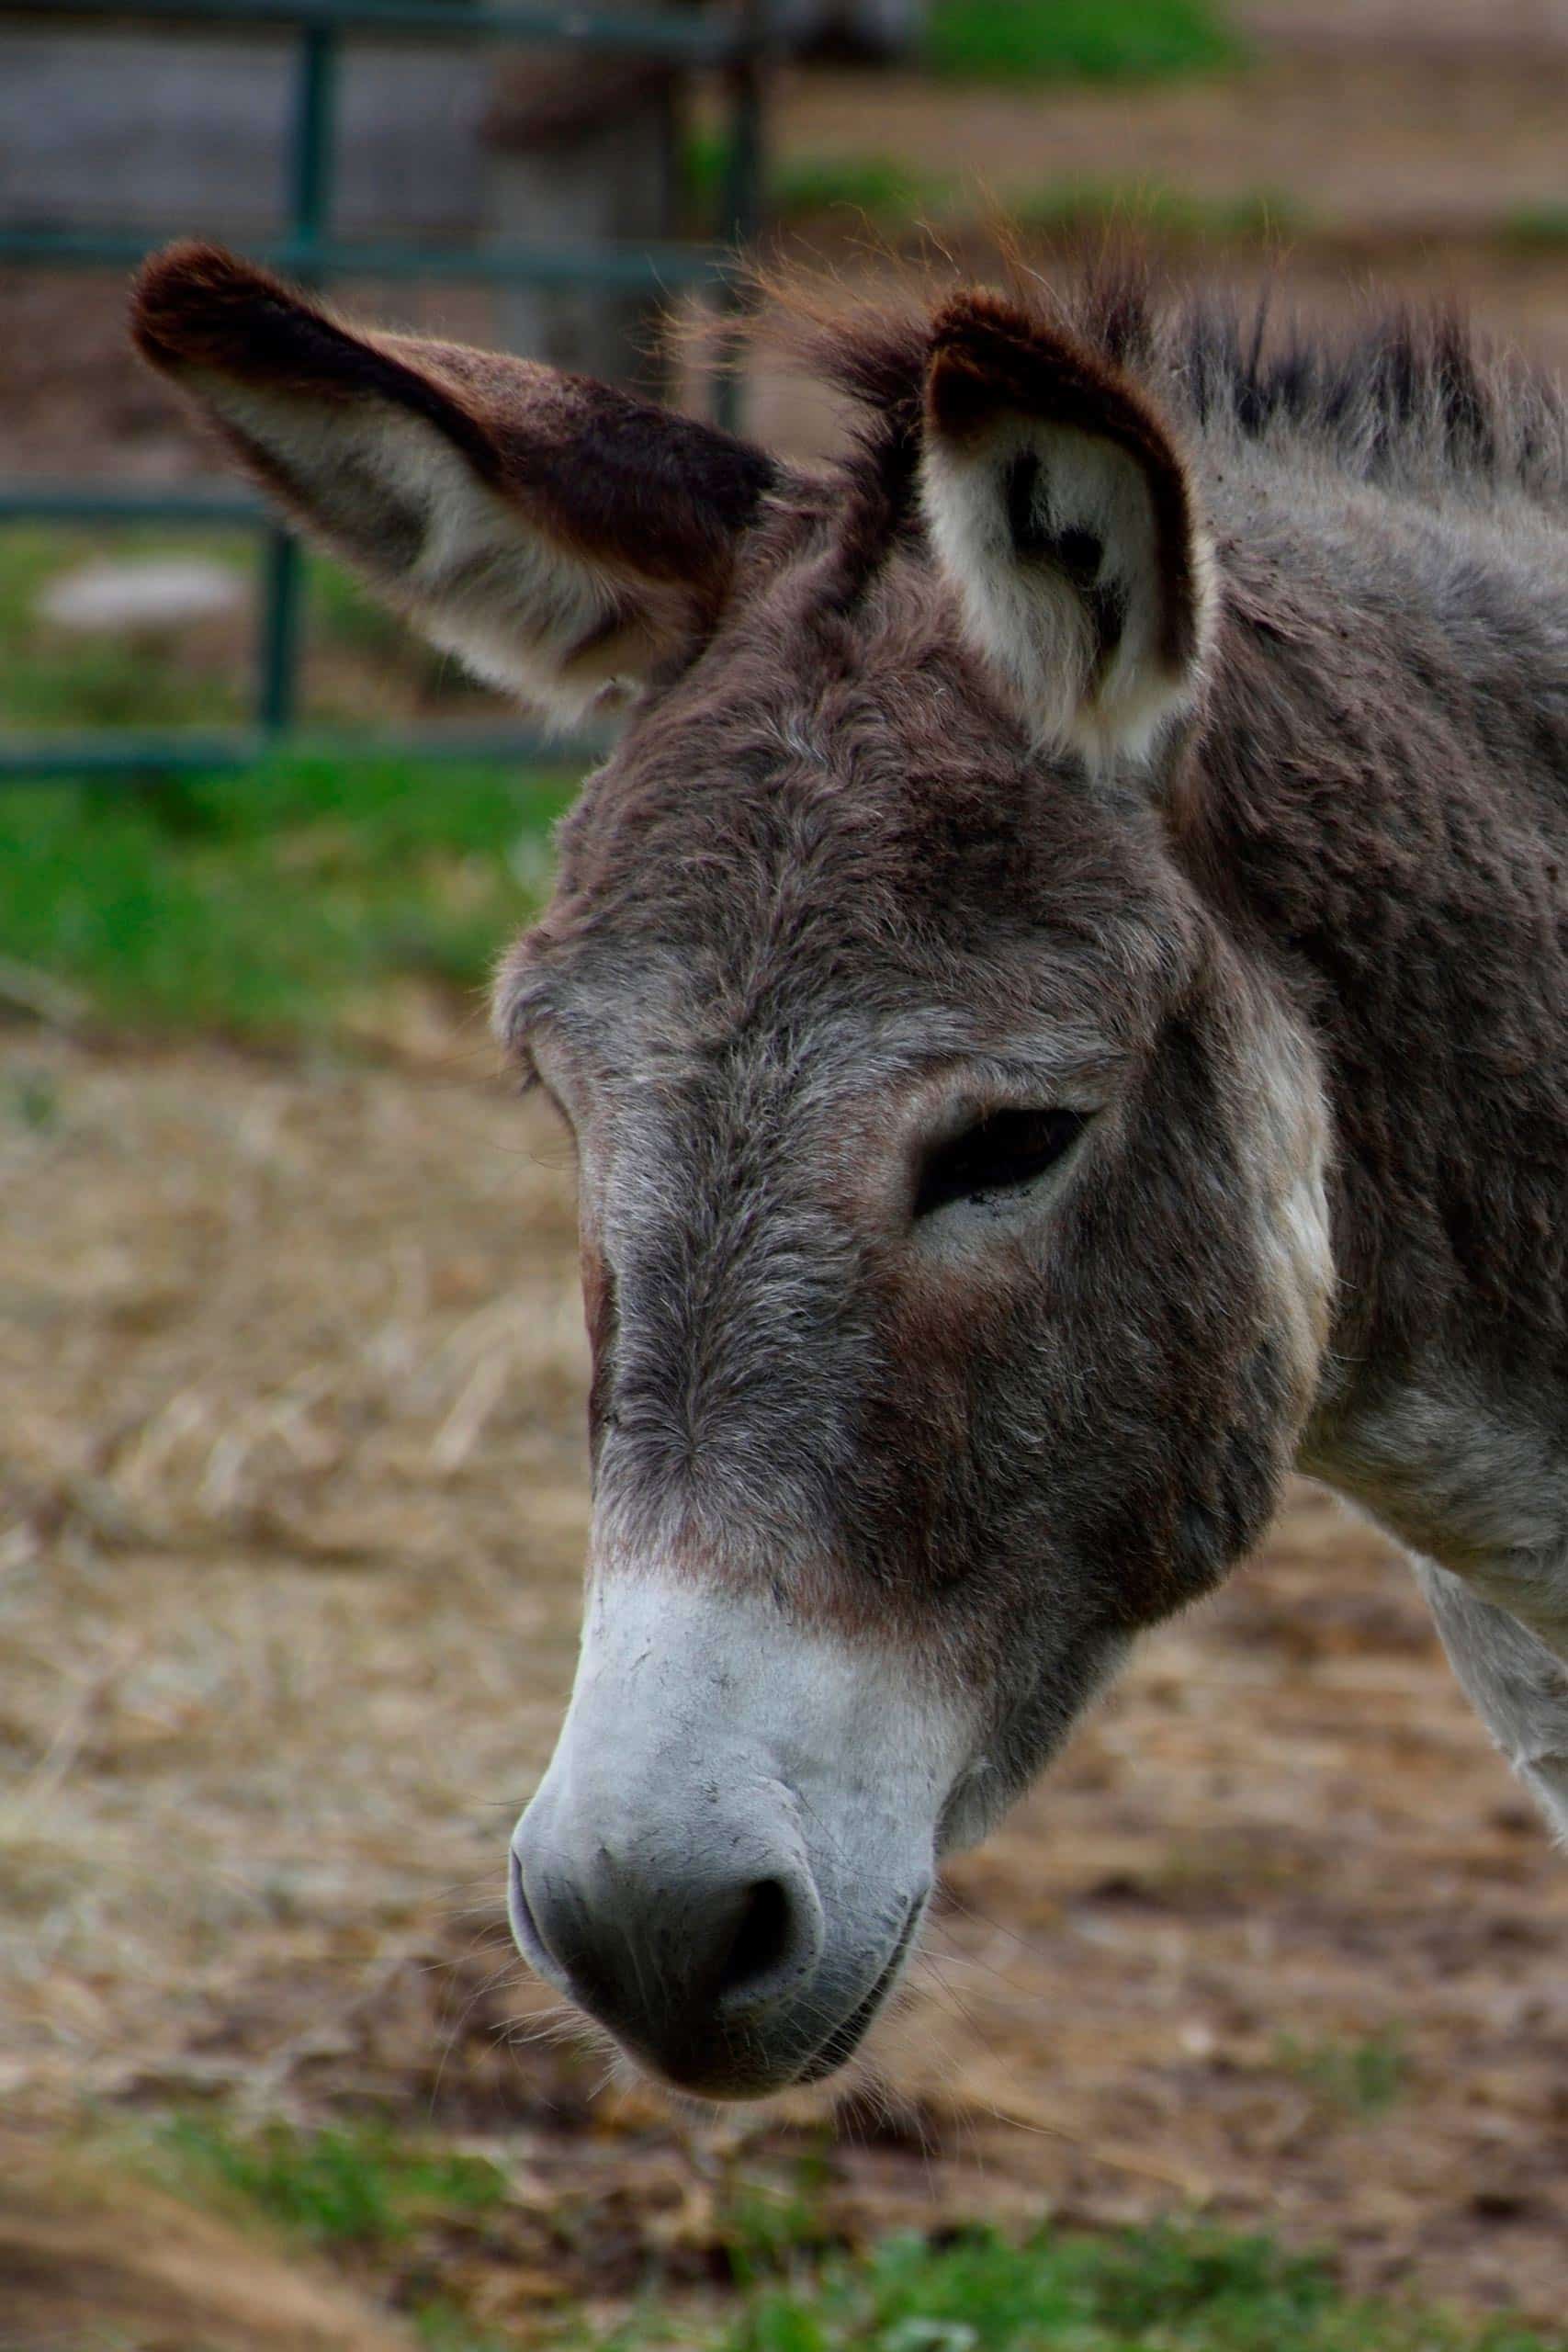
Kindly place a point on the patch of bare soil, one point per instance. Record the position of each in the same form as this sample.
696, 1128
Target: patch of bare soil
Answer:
1502, 28
93, 2256
1388, 141
294, 1508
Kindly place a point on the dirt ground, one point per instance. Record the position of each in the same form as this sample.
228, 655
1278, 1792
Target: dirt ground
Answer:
294, 1510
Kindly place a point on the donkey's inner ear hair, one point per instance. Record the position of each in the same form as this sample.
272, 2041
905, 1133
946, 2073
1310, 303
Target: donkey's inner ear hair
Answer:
562, 538
1060, 507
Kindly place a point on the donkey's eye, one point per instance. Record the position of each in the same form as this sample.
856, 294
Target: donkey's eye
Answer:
1001, 1154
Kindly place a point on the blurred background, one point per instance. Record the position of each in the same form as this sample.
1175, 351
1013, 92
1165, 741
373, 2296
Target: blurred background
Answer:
1250, 2028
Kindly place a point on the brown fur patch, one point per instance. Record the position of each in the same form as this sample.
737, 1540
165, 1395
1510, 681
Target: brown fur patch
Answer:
604, 475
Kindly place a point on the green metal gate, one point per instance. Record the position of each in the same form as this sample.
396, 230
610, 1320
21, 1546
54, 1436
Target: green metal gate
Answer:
727, 39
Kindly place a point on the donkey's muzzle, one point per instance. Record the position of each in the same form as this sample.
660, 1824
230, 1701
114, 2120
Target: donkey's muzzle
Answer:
727, 1861
693, 1941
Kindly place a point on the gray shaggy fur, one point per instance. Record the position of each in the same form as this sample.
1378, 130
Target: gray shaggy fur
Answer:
1150, 718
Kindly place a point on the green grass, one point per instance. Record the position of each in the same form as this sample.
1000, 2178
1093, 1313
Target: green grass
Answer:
359, 2185
271, 906
1362, 2078
30, 1099
394, 2201
1078, 41
1169, 2290
879, 186
1536, 228
882, 186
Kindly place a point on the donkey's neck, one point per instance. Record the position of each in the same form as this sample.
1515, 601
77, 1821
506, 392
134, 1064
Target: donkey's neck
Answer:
1385, 799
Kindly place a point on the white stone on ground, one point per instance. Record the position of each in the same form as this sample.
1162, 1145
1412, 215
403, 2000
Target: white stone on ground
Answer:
147, 593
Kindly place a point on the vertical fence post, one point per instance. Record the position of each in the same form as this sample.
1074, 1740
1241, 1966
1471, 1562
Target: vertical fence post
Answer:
310, 162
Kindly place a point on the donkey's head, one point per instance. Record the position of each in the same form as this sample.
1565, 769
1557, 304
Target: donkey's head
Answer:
953, 1221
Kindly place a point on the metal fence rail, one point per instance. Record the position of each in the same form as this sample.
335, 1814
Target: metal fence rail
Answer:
728, 40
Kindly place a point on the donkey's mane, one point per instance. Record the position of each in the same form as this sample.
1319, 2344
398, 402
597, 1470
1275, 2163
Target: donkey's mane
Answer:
1403, 396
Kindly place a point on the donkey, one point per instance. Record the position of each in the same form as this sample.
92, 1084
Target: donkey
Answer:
1061, 996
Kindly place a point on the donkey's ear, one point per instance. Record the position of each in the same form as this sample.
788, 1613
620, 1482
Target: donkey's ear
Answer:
559, 536
1062, 511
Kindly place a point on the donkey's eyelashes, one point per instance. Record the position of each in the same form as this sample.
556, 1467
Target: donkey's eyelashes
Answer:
1000, 1153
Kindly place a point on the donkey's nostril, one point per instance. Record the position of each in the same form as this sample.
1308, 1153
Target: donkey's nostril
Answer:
763, 1942
775, 1941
